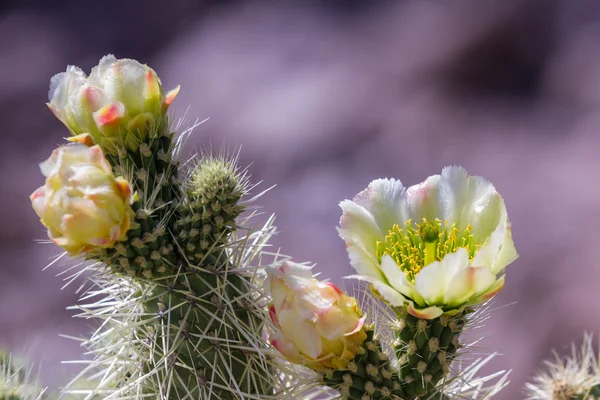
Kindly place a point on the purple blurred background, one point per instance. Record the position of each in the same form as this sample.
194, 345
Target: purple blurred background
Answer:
323, 97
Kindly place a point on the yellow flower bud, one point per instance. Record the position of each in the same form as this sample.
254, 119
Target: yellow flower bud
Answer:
316, 323
103, 104
82, 204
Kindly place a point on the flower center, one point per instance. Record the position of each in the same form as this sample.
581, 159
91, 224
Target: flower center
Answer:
417, 245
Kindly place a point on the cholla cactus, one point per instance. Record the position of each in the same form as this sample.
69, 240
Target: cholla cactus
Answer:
16, 381
570, 378
432, 252
179, 274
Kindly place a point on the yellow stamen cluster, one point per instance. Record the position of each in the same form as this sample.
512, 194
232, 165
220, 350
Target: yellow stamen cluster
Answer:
417, 245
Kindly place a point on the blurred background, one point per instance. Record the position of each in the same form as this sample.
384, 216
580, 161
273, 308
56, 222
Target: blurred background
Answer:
324, 96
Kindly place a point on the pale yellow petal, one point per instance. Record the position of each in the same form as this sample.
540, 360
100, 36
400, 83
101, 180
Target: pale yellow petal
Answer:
468, 283
432, 282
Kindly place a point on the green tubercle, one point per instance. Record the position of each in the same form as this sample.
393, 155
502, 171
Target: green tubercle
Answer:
207, 215
425, 350
369, 376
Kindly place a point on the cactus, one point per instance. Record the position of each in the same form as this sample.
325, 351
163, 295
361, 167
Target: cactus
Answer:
186, 291
425, 349
576, 377
16, 381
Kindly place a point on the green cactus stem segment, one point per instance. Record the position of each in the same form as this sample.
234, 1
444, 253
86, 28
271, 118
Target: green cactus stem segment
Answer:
207, 215
147, 252
416, 245
425, 349
17, 381
592, 393
205, 324
369, 376
144, 154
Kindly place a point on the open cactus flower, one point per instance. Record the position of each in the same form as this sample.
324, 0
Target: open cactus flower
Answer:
433, 248
82, 204
119, 96
316, 323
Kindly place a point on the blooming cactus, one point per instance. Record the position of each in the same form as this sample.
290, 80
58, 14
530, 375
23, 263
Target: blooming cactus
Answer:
316, 323
82, 204
119, 95
433, 248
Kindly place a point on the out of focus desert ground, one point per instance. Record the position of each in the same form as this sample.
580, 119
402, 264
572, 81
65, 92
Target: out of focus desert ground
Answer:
322, 97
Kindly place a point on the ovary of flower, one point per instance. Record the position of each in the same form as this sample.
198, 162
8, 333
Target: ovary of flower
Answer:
103, 104
82, 204
433, 248
316, 324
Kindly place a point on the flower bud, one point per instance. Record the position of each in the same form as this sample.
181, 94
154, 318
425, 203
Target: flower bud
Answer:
82, 204
104, 104
316, 323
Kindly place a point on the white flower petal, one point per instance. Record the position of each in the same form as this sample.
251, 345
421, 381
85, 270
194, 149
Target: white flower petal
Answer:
469, 200
64, 83
99, 71
385, 291
468, 283
490, 292
124, 81
499, 251
432, 282
423, 200
358, 225
397, 278
364, 262
385, 199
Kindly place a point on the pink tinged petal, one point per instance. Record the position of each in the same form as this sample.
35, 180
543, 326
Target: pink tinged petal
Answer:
48, 166
94, 97
331, 285
423, 200
425, 313
115, 233
99, 242
292, 269
109, 114
56, 112
38, 201
301, 333
123, 188
468, 200
493, 290
152, 89
273, 316
169, 97
286, 348
278, 293
468, 283
358, 327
